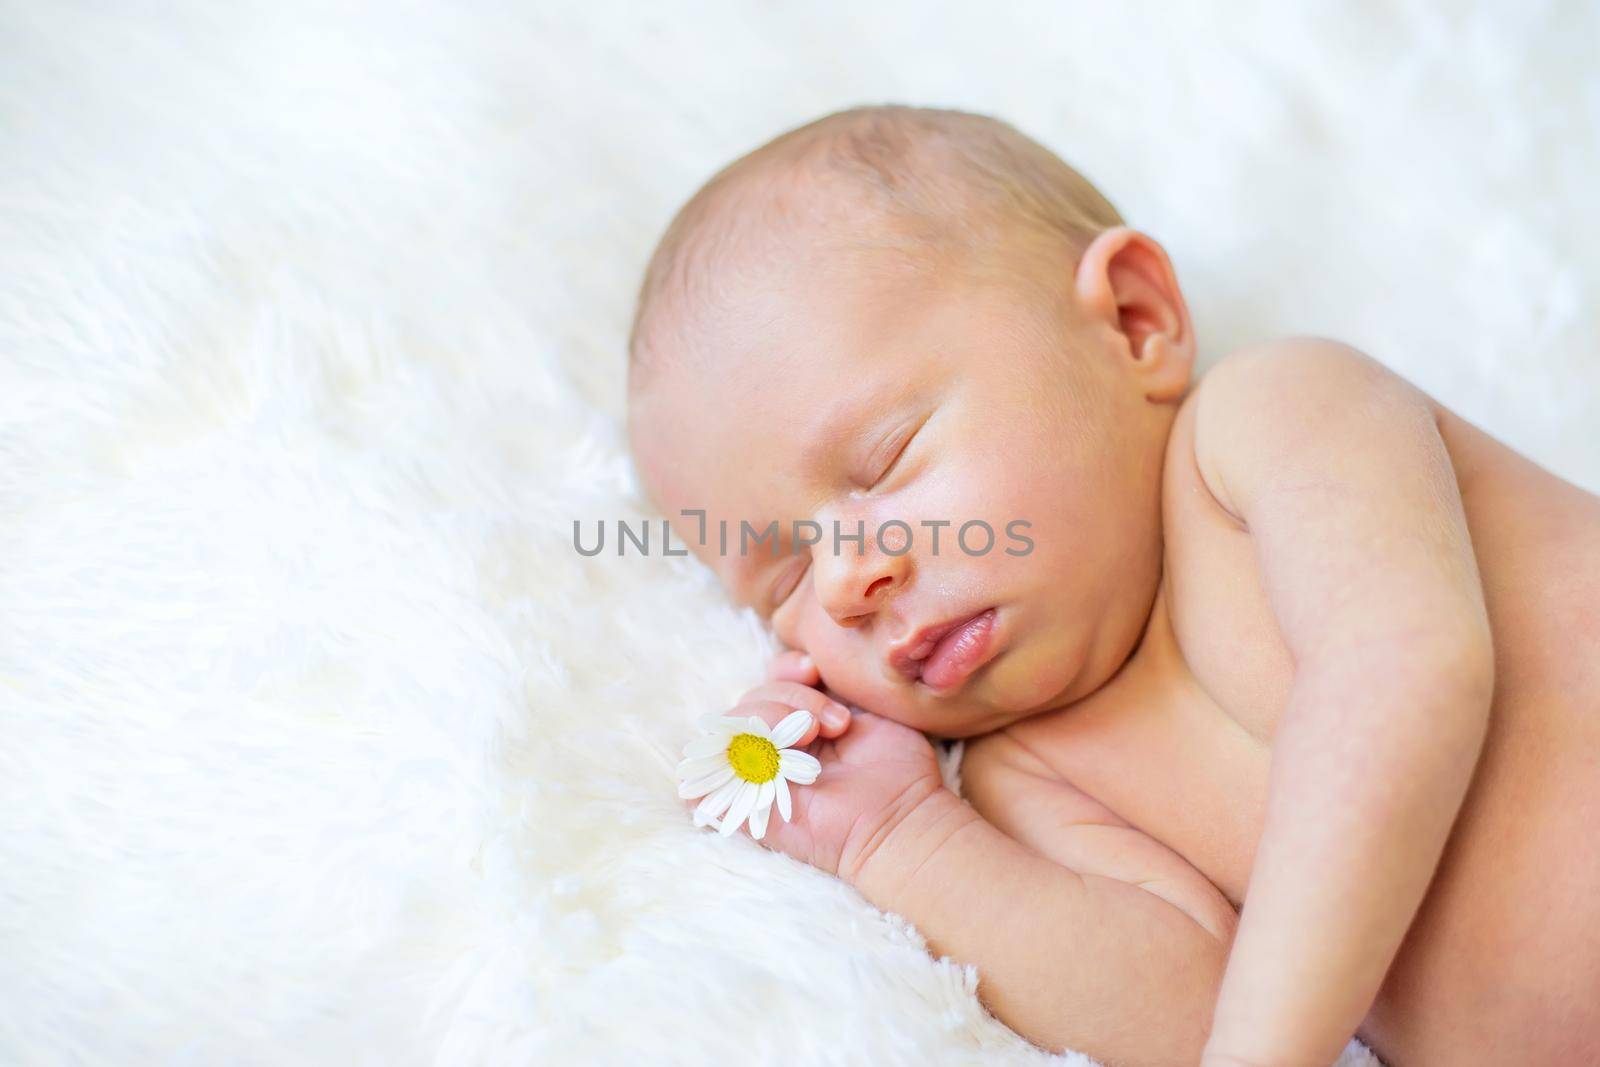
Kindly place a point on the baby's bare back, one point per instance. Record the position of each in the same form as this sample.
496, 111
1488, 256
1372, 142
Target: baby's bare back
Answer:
1502, 963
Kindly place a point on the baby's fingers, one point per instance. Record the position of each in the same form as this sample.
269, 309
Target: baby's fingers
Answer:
832, 716
792, 665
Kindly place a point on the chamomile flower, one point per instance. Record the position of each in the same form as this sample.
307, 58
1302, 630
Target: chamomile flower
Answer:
741, 766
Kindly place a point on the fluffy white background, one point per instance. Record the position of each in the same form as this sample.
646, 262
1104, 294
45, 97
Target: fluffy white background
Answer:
318, 742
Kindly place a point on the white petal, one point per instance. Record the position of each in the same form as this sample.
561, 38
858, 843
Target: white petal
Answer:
709, 745
792, 728
717, 802
704, 784
801, 768
782, 785
717, 723
694, 768
762, 811
743, 801
755, 725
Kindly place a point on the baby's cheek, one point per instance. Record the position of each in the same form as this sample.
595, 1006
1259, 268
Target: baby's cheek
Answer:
862, 686
845, 675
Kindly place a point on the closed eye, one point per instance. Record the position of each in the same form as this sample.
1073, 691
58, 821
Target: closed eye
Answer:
786, 589
899, 451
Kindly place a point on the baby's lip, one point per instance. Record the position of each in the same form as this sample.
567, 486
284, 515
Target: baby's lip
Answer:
907, 656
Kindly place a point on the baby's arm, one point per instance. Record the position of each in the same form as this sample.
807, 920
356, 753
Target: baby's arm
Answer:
1336, 468
1114, 956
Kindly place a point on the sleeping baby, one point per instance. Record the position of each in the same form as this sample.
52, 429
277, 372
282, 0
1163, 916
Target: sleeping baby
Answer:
1280, 685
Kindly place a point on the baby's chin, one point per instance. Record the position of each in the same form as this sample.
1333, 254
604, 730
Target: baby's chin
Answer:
949, 716
1022, 691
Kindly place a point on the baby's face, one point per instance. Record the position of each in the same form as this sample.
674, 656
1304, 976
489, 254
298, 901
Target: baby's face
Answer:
857, 396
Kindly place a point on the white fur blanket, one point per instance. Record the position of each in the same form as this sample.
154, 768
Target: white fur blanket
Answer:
320, 742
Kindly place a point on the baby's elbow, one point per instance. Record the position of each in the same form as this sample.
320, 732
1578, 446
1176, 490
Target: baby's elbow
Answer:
1198, 975
1464, 655
1220, 921
1190, 996
1459, 688
1197, 898
1184, 987
1479, 668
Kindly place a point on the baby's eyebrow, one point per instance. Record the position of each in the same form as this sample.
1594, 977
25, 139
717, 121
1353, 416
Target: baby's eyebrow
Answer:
849, 421
836, 430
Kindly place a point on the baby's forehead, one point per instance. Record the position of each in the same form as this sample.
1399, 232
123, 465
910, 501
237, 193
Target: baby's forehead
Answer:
738, 438
796, 362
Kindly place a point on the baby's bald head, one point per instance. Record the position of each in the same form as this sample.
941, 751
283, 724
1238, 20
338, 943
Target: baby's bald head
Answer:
913, 189
907, 320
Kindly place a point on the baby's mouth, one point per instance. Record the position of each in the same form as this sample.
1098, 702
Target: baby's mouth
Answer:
960, 653
931, 647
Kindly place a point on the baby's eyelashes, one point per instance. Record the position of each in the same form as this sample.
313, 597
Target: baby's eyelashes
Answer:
788, 584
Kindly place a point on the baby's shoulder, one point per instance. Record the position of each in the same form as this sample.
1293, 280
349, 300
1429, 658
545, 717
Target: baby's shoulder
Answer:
1279, 386
1264, 368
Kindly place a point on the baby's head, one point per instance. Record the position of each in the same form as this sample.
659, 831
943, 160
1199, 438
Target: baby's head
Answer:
893, 318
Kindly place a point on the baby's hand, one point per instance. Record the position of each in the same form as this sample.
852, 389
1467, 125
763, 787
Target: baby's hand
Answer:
792, 666
874, 771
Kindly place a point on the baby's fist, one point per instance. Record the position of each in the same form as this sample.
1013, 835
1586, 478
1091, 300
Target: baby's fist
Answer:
792, 665
868, 773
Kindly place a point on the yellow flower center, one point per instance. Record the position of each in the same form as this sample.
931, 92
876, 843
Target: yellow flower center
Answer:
754, 758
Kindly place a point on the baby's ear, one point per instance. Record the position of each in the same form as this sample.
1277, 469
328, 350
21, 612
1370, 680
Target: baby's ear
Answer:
1125, 281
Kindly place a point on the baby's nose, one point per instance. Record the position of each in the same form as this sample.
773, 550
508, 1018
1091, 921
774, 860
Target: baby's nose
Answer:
862, 557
